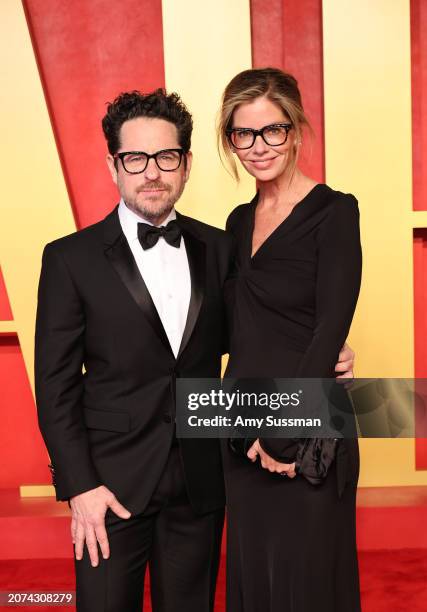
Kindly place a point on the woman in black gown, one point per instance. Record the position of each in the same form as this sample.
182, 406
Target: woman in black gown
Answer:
291, 544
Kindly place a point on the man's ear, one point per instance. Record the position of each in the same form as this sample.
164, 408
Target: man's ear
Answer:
189, 161
111, 163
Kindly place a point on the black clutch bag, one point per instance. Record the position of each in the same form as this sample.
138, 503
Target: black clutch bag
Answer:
314, 458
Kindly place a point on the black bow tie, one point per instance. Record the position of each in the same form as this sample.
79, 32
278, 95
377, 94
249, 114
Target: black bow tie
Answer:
148, 235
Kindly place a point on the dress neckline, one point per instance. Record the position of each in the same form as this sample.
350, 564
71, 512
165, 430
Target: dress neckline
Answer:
254, 204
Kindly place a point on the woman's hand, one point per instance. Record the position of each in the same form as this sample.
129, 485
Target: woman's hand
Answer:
268, 463
345, 363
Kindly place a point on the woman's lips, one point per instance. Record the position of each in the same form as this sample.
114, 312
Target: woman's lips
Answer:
262, 163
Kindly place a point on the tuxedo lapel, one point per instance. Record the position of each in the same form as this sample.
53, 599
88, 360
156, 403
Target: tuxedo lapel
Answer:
196, 253
120, 256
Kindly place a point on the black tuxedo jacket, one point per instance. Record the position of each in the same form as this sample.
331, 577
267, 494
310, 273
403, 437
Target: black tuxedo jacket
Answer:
113, 422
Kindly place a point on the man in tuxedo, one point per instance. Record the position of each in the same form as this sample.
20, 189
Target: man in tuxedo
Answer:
125, 307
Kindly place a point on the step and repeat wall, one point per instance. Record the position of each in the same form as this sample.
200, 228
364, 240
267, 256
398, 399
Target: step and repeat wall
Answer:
362, 70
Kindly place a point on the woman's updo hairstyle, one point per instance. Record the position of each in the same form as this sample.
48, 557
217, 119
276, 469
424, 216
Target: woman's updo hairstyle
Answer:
272, 83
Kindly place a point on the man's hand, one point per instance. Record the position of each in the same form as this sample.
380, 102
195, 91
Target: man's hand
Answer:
88, 521
268, 463
345, 362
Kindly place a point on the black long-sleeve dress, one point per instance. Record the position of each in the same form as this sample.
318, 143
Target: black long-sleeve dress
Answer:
291, 544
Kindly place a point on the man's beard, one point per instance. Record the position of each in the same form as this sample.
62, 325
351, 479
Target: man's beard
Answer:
153, 214
148, 213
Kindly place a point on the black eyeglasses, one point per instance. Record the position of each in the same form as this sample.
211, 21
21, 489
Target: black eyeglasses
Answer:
274, 135
135, 162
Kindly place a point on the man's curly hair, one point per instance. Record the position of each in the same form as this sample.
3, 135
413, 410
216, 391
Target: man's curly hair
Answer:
157, 105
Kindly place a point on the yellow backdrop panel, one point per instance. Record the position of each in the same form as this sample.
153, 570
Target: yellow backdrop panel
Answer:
368, 152
35, 206
205, 45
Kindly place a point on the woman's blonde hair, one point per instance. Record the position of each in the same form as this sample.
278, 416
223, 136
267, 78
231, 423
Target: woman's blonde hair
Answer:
272, 83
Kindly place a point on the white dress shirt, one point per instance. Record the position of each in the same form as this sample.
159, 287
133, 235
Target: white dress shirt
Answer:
166, 273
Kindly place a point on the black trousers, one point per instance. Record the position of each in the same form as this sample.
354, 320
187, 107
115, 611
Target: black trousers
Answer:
181, 548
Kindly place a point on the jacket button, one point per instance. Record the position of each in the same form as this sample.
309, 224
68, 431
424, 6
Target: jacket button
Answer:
167, 418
